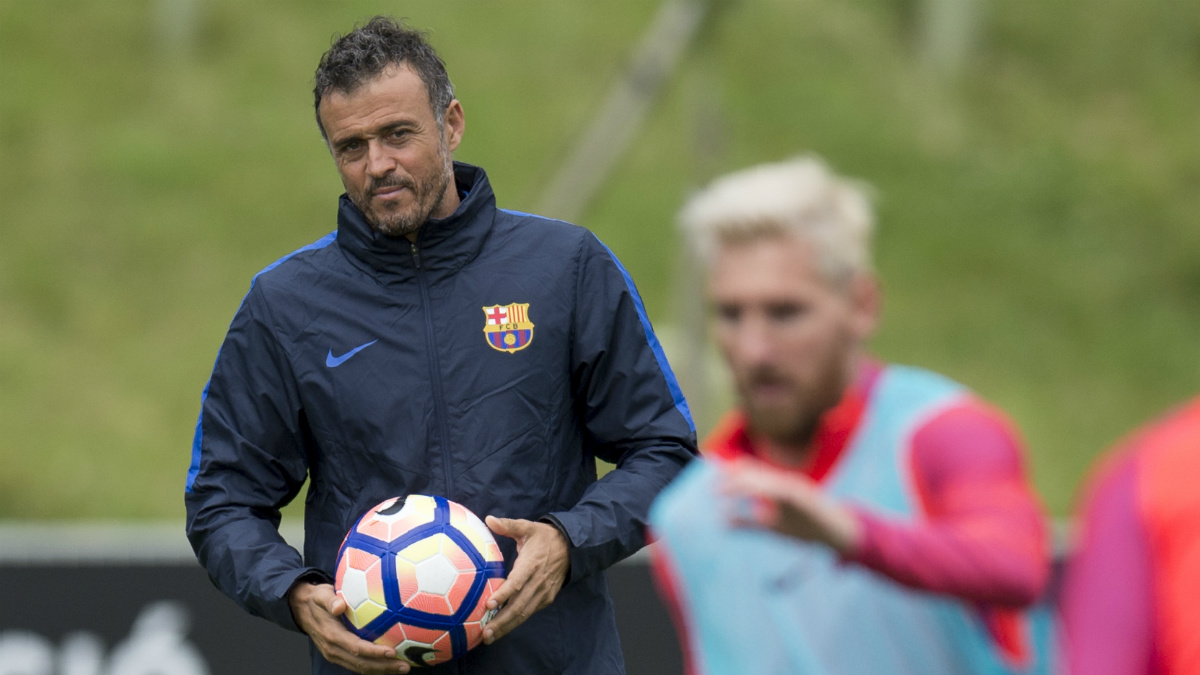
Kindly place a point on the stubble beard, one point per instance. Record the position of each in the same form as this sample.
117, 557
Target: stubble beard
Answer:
796, 423
428, 193
793, 425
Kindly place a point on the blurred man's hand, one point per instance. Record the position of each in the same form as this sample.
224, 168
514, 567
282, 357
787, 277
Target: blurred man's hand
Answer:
786, 503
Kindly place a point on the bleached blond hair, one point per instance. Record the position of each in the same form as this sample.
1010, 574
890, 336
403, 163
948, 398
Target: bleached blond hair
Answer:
799, 196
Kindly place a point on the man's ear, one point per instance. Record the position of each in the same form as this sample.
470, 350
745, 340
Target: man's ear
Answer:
454, 124
866, 302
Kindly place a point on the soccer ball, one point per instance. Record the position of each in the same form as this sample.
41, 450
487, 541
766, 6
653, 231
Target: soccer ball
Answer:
416, 573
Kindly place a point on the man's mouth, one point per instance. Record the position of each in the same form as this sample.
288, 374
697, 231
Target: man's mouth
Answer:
769, 391
388, 191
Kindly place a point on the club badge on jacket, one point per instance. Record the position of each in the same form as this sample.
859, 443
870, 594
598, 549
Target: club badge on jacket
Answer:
507, 327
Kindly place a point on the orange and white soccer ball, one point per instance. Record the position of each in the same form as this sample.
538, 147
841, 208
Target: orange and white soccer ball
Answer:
417, 573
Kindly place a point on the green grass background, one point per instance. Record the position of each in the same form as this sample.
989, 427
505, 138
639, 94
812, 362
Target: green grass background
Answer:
1039, 211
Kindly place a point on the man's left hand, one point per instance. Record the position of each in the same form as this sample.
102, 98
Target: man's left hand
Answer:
787, 503
541, 567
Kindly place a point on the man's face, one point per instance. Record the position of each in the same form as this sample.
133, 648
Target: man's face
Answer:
394, 160
790, 337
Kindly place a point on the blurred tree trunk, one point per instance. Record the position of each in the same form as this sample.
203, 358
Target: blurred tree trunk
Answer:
950, 32
177, 25
621, 116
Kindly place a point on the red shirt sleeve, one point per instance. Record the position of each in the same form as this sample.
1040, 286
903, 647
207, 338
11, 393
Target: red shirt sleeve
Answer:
1107, 605
981, 535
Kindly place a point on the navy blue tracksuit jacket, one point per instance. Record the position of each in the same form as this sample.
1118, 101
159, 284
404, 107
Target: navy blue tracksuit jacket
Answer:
370, 366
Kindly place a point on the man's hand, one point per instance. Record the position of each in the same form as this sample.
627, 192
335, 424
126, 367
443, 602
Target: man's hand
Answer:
316, 609
538, 573
786, 503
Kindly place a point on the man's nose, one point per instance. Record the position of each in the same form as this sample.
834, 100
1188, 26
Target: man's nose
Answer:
379, 160
755, 344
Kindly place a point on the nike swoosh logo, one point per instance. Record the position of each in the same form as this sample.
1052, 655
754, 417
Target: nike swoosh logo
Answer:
335, 361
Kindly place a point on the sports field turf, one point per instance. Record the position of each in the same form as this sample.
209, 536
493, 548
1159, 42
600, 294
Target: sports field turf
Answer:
1039, 231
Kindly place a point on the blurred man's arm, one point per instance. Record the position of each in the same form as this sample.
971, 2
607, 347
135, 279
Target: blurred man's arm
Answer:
1107, 603
983, 535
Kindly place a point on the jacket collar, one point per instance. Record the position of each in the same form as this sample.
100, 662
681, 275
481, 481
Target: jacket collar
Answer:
444, 244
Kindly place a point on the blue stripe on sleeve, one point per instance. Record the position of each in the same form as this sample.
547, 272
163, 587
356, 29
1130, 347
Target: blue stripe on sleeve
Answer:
659, 355
198, 439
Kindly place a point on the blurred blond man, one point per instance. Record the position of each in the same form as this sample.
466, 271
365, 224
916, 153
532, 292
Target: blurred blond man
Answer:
852, 516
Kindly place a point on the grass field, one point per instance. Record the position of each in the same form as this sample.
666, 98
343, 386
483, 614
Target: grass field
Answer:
1039, 236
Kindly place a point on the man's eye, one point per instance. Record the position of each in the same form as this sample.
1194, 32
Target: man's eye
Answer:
786, 312
727, 314
350, 146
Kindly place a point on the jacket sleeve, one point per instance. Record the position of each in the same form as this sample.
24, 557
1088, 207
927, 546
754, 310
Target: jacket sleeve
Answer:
632, 410
248, 461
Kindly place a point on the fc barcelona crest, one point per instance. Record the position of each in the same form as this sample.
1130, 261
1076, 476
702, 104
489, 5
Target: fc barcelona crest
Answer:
507, 327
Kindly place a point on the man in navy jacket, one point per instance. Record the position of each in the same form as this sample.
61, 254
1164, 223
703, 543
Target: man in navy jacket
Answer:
434, 344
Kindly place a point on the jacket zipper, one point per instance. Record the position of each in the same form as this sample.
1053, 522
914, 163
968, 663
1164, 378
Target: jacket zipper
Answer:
435, 372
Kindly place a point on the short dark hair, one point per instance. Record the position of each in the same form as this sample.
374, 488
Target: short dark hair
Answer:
363, 53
